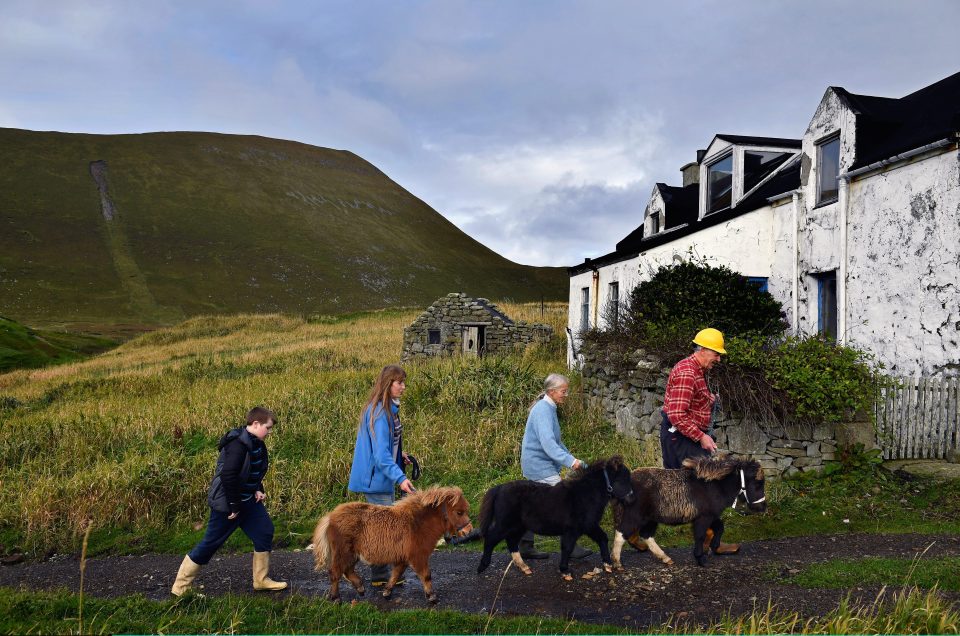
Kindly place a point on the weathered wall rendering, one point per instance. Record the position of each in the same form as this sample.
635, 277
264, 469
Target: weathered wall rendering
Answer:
453, 321
903, 292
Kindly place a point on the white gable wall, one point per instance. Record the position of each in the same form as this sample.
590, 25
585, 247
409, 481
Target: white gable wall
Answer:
819, 225
903, 292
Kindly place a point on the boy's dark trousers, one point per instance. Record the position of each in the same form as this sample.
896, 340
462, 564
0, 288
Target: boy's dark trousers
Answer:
253, 520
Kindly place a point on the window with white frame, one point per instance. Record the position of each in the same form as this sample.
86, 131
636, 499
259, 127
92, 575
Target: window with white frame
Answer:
613, 302
584, 308
654, 223
720, 184
828, 170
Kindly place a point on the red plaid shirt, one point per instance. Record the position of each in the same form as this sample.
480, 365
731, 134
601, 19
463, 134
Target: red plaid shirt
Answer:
687, 401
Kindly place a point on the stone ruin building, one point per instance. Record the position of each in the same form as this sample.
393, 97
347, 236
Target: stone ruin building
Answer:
459, 325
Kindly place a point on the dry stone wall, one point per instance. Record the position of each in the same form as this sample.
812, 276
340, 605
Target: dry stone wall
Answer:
631, 396
451, 313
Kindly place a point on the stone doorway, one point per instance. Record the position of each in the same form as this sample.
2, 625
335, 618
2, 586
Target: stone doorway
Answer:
474, 337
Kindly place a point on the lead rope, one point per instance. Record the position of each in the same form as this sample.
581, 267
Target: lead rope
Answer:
743, 491
606, 478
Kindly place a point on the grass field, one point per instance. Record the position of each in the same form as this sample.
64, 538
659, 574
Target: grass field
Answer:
24, 348
126, 441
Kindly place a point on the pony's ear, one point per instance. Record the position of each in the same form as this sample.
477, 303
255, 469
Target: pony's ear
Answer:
615, 463
689, 462
759, 474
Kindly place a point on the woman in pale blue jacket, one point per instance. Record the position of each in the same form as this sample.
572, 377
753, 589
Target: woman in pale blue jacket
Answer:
378, 454
542, 454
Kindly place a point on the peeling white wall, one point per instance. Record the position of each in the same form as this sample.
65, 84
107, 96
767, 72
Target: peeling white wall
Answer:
819, 235
745, 244
903, 299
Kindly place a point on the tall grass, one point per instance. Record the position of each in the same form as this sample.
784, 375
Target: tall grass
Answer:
128, 439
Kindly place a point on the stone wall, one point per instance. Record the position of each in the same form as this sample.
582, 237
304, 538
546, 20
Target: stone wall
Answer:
631, 400
452, 312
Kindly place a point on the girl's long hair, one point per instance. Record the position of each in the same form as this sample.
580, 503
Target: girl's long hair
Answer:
380, 394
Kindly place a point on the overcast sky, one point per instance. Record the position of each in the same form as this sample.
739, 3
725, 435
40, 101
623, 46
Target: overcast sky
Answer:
538, 127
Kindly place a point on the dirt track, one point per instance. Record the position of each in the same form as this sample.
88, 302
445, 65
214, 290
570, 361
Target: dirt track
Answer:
644, 593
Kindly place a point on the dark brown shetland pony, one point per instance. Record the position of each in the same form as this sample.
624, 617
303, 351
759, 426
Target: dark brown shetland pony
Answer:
402, 534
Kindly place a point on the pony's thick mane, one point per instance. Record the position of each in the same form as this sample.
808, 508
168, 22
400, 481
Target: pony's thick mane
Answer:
714, 468
432, 497
610, 463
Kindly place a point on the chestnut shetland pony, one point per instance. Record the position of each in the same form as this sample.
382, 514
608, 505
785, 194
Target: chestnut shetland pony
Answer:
402, 534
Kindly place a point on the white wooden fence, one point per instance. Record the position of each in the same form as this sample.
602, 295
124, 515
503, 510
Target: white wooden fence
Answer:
920, 419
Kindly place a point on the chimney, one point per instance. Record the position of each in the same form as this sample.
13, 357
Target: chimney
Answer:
691, 171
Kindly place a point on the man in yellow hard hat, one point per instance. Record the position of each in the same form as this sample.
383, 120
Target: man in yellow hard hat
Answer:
688, 410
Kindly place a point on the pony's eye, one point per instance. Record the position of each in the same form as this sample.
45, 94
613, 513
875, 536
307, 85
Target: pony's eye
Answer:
460, 512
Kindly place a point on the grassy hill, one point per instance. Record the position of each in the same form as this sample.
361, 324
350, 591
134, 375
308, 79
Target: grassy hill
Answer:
130, 231
24, 348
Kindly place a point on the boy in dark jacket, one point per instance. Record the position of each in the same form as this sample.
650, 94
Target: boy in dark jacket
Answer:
236, 499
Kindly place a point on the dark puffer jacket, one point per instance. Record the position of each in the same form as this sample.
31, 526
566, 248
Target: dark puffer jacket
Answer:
233, 469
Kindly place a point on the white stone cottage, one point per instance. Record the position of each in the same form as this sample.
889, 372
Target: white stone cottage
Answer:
854, 227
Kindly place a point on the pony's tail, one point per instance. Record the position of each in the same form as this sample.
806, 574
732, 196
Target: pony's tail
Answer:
486, 509
321, 545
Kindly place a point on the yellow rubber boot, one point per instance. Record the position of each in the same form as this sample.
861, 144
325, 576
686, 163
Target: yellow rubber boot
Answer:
261, 566
185, 575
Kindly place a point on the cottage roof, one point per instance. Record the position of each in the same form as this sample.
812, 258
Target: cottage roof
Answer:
888, 126
747, 140
683, 207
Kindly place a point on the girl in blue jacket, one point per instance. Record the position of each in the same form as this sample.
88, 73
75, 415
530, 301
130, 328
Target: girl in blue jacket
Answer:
378, 454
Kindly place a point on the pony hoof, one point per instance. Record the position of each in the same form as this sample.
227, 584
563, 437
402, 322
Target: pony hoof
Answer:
617, 566
333, 599
702, 561
526, 571
387, 593
668, 562
361, 590
433, 599
566, 577
608, 568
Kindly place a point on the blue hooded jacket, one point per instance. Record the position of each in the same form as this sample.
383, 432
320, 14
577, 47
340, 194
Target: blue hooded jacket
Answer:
375, 468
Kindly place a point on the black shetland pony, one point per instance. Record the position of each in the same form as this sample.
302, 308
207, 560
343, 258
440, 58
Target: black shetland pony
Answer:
569, 509
697, 494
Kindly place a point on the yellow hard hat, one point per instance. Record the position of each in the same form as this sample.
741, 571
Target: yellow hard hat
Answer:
710, 339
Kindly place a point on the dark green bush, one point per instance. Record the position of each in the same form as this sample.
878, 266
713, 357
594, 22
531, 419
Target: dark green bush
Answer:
696, 293
765, 374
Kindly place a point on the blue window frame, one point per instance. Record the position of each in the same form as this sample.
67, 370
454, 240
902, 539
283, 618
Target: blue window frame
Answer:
760, 281
827, 305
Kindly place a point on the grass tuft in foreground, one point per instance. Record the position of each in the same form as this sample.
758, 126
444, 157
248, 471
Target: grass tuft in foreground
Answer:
909, 611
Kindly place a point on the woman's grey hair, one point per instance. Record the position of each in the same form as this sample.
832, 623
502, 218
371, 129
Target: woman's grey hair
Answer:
554, 381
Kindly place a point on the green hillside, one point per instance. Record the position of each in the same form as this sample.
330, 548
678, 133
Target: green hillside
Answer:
119, 232
25, 348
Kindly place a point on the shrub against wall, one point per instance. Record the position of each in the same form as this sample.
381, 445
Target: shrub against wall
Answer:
765, 375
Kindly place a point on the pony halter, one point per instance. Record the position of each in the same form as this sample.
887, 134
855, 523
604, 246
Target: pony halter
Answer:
743, 491
606, 478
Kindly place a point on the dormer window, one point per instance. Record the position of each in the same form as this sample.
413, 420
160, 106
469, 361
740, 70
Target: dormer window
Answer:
654, 224
720, 184
758, 164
